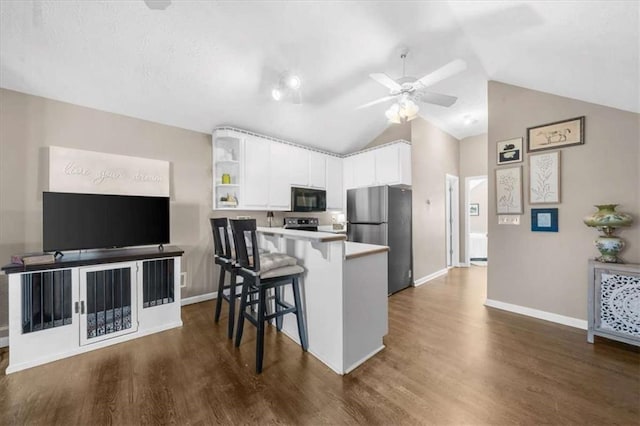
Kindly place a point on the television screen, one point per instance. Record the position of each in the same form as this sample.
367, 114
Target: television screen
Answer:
89, 221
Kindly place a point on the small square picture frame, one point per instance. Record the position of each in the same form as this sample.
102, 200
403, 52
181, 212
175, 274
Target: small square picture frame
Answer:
509, 151
474, 209
544, 220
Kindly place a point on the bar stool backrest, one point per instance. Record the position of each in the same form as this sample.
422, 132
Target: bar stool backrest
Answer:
240, 228
221, 242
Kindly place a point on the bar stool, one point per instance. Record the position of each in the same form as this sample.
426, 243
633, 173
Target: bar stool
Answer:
224, 258
275, 271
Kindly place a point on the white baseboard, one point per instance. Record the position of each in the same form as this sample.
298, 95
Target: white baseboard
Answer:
535, 313
199, 298
430, 277
362, 360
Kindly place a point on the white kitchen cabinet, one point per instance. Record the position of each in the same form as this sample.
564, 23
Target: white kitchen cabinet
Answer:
279, 185
298, 165
386, 165
317, 170
348, 173
335, 188
364, 169
257, 168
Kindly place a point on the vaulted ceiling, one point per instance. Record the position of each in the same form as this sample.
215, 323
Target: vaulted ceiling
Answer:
199, 64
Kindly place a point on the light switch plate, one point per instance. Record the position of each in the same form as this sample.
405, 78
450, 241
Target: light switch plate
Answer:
508, 219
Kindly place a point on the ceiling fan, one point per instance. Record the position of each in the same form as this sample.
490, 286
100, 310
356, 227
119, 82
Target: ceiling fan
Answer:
409, 90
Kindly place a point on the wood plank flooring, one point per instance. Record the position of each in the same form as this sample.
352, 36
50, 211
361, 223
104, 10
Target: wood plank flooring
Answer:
449, 360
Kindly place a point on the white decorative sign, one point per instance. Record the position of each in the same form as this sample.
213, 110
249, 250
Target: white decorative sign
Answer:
75, 170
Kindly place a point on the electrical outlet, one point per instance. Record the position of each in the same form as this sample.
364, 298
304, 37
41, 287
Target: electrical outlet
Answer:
183, 280
508, 219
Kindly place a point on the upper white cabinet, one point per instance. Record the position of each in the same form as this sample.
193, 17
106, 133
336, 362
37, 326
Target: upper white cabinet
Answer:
279, 184
335, 190
388, 165
317, 170
364, 169
257, 168
298, 165
251, 172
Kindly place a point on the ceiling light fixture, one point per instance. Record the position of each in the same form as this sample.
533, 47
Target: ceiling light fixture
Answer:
404, 110
288, 87
469, 120
276, 93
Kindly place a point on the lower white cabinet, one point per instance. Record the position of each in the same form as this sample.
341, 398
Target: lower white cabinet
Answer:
64, 310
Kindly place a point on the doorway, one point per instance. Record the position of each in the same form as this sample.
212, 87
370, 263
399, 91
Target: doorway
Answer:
452, 216
476, 220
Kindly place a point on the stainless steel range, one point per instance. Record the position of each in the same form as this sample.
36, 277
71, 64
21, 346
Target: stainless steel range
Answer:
301, 223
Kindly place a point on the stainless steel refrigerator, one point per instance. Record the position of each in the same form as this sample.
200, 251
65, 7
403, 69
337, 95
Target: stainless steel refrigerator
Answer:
382, 215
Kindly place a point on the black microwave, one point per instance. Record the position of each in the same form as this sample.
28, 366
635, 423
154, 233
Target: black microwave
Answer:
308, 200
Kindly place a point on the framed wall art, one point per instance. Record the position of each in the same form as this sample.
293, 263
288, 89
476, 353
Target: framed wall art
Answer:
509, 151
556, 135
474, 209
544, 220
544, 178
509, 190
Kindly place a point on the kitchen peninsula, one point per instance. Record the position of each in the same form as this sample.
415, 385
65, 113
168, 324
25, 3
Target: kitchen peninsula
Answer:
344, 293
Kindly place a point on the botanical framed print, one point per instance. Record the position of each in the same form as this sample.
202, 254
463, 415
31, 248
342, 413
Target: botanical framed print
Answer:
509, 190
544, 220
474, 209
544, 178
556, 135
509, 151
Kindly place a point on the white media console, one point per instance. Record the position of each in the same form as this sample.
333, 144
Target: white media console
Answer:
90, 300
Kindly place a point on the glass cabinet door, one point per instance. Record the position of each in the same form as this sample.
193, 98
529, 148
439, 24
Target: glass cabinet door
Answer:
107, 302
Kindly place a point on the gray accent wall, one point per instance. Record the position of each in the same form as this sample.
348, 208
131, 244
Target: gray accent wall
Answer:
548, 271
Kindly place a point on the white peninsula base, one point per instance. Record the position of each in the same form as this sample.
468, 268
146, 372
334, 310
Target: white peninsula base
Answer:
344, 293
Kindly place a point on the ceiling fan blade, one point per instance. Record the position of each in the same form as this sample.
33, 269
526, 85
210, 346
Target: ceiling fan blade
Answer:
386, 81
377, 101
452, 68
436, 98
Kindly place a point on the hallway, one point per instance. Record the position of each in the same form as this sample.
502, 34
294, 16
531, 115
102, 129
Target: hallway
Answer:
448, 360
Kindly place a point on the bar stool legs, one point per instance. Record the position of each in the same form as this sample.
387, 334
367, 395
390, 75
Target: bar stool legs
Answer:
220, 294
302, 330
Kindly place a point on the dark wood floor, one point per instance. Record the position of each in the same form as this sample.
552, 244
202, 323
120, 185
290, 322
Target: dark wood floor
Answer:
448, 360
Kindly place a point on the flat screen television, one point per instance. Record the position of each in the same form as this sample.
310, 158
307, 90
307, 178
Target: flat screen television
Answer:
92, 221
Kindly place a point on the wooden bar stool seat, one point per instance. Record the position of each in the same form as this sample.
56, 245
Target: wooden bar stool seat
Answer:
266, 272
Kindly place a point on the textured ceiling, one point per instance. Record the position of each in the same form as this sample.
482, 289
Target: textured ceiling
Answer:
198, 64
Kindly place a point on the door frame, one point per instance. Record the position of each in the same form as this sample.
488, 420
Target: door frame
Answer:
467, 224
452, 227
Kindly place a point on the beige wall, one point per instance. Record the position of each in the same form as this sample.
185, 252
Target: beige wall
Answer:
392, 133
473, 162
434, 154
29, 123
548, 271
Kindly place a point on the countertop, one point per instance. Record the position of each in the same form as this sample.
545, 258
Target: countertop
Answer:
329, 228
353, 250
323, 237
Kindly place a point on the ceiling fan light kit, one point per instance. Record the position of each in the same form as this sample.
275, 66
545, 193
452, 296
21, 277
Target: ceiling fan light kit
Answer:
407, 90
288, 86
